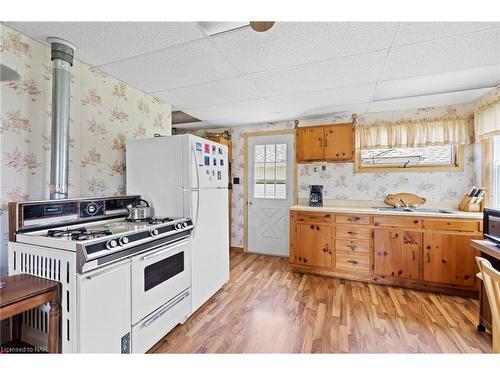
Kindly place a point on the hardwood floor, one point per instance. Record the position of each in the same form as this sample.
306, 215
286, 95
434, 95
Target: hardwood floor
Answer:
265, 308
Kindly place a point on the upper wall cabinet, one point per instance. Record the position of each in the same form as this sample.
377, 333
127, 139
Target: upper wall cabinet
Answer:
333, 143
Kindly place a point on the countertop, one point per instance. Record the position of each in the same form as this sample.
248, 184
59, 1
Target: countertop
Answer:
487, 247
373, 211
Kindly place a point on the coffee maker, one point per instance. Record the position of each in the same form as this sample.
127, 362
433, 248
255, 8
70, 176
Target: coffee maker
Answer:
316, 195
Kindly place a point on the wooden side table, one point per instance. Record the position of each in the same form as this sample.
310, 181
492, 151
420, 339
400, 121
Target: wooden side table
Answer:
24, 292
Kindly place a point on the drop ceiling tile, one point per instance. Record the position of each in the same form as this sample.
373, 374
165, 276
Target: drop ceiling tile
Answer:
231, 110
294, 43
212, 93
459, 80
314, 100
183, 65
255, 119
329, 111
428, 100
100, 43
414, 32
464, 52
346, 71
296, 103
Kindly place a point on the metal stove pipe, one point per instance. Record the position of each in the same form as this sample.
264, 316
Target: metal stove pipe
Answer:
62, 53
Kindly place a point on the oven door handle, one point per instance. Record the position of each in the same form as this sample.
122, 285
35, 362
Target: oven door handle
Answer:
104, 272
167, 308
163, 251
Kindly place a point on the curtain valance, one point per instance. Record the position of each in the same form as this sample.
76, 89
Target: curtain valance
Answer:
416, 133
487, 119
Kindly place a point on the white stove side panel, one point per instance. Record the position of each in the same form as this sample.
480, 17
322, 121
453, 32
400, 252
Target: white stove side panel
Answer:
57, 265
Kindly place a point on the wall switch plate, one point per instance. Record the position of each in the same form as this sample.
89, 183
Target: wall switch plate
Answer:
323, 167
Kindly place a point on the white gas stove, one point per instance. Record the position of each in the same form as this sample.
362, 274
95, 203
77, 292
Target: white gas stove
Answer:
124, 284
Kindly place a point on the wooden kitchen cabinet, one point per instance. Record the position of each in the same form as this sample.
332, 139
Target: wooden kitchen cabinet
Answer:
334, 143
432, 254
398, 253
339, 142
314, 245
309, 144
449, 258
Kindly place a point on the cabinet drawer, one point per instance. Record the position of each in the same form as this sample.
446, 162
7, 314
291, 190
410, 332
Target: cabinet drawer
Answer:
356, 246
353, 219
314, 217
353, 232
396, 221
152, 328
352, 261
456, 225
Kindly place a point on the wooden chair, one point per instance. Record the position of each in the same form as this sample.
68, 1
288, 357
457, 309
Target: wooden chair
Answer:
491, 281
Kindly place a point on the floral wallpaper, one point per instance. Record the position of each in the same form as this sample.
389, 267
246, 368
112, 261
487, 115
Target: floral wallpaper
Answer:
342, 184
104, 112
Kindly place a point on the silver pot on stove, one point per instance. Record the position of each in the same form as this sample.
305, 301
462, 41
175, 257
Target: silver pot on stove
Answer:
139, 213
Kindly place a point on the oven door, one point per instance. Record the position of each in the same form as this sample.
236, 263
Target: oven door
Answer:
158, 276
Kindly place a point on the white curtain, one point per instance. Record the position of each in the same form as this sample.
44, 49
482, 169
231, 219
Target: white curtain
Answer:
416, 133
487, 119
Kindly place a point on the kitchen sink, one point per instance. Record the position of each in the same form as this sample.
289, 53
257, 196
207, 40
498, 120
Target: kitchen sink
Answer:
415, 210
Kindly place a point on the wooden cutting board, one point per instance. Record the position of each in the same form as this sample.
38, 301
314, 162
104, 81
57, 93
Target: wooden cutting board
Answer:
409, 198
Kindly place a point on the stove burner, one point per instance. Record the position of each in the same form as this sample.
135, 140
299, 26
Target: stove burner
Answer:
77, 234
91, 235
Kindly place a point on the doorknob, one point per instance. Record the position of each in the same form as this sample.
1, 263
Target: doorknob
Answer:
250, 203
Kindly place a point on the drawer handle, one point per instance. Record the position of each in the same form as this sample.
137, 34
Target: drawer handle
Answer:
355, 218
428, 257
352, 261
413, 252
165, 309
352, 233
352, 247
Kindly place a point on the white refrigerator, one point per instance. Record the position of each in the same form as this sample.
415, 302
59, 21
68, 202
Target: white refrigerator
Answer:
185, 175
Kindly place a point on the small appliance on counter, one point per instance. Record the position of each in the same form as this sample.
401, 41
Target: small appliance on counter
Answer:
491, 225
316, 195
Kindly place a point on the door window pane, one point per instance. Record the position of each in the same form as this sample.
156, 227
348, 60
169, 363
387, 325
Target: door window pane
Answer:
270, 171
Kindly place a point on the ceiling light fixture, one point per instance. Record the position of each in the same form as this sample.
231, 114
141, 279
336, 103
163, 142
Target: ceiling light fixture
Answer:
261, 26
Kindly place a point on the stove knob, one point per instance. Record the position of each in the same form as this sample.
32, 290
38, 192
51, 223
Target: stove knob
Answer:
178, 226
184, 224
123, 241
111, 244
154, 232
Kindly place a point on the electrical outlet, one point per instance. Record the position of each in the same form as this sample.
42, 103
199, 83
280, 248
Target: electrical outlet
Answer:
323, 167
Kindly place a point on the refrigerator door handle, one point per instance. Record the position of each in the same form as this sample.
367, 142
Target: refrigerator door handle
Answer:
197, 167
197, 191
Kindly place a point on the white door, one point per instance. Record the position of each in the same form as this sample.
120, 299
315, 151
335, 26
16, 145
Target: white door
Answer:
270, 193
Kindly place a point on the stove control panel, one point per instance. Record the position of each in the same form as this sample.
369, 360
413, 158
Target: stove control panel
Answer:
125, 242
91, 208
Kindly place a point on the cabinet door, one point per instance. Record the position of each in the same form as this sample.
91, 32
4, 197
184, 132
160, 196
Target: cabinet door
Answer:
314, 245
310, 145
388, 259
104, 305
339, 142
397, 253
449, 258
